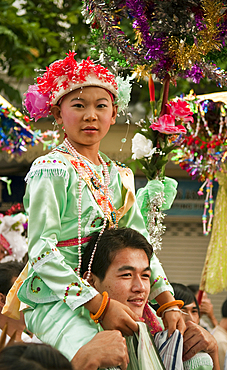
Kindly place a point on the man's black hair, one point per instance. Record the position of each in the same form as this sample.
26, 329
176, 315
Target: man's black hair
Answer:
194, 288
8, 271
224, 309
185, 294
111, 241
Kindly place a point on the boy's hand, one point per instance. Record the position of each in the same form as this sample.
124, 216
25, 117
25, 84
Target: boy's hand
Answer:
120, 317
174, 320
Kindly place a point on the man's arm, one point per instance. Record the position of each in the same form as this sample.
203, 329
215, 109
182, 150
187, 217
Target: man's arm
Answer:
107, 349
197, 339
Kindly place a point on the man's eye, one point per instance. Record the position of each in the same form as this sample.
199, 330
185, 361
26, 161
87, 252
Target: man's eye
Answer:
127, 274
146, 276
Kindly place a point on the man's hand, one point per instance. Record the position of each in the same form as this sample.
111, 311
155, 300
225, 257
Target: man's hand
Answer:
206, 308
106, 349
197, 339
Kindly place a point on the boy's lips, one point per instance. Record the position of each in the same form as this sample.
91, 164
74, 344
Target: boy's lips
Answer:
89, 129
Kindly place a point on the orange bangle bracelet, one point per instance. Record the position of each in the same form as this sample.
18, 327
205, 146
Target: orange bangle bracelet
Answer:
178, 303
101, 309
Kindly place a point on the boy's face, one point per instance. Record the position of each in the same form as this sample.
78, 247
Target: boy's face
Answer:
127, 279
86, 115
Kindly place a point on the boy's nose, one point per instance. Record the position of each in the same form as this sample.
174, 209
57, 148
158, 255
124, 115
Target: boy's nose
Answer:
188, 317
90, 115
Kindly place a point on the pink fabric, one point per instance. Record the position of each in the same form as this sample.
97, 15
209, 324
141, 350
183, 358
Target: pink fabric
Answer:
151, 320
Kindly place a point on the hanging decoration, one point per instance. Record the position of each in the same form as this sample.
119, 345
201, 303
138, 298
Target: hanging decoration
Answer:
171, 39
17, 132
181, 38
202, 152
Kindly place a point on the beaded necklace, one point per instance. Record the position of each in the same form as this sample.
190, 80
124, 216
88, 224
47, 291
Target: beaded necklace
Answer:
79, 159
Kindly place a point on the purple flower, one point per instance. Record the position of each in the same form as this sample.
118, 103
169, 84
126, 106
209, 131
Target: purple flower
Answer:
37, 104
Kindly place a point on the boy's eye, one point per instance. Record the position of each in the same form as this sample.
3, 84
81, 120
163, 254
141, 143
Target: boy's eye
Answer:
146, 276
102, 105
127, 274
78, 105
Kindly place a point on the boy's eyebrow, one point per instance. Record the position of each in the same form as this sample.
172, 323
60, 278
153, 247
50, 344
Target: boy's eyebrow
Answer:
131, 268
78, 98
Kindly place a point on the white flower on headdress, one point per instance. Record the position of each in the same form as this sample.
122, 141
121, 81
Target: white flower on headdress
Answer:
142, 147
124, 91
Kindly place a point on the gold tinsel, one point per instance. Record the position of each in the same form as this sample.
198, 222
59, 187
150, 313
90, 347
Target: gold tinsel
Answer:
138, 38
141, 72
185, 55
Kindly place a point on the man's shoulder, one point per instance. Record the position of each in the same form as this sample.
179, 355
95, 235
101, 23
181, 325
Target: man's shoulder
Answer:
219, 333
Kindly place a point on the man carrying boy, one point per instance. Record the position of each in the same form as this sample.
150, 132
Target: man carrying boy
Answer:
121, 267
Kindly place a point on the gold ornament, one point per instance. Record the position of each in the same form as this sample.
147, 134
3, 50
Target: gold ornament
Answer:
185, 55
141, 72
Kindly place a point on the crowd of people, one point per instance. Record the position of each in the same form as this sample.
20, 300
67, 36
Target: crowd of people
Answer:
87, 295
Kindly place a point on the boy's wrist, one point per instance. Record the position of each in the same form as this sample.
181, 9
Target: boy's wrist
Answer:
94, 304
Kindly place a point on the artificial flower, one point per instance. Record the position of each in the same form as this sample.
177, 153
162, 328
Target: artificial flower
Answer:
124, 90
181, 110
142, 147
166, 125
36, 104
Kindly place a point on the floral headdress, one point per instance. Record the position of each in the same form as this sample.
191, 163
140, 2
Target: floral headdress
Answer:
64, 76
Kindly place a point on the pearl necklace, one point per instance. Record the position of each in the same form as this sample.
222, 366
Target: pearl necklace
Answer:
77, 156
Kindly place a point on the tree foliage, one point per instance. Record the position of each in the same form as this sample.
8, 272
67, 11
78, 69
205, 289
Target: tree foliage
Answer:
34, 33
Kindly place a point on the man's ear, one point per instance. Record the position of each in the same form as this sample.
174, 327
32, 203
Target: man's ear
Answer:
91, 280
56, 111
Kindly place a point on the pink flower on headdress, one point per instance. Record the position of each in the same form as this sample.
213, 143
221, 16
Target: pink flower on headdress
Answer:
181, 110
37, 104
166, 125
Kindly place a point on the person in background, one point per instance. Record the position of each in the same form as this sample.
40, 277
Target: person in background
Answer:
9, 271
196, 339
206, 309
25, 356
220, 334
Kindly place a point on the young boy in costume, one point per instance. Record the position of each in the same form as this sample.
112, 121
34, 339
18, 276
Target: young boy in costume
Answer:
72, 192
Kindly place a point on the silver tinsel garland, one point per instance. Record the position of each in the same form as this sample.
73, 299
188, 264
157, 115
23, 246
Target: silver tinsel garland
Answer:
155, 219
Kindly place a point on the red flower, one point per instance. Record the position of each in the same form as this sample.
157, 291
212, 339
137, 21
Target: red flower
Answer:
181, 110
166, 125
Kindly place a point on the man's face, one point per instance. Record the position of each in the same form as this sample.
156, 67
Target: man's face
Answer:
127, 279
192, 313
